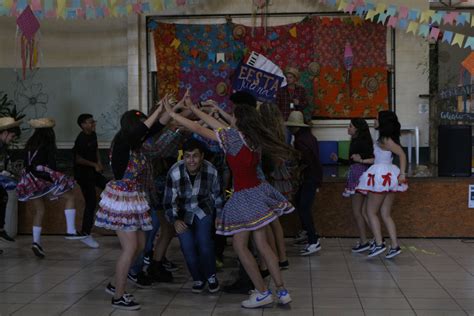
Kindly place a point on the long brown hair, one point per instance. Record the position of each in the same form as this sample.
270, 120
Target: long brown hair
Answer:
258, 135
273, 119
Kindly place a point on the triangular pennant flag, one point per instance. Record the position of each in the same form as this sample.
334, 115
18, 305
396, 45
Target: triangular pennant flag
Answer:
220, 57
382, 18
146, 7
469, 42
36, 5
392, 10
370, 15
434, 33
293, 31
211, 56
449, 18
447, 37
342, 5
403, 24
458, 40
461, 19
403, 12
424, 30
414, 14
157, 5
437, 17
426, 15
360, 11
370, 5
381, 8
392, 22
412, 27
349, 8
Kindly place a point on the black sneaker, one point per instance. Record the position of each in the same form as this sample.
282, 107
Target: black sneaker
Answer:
125, 303
140, 280
110, 289
213, 284
5, 237
392, 252
169, 265
198, 287
240, 286
38, 251
75, 236
378, 249
148, 257
158, 272
284, 265
361, 247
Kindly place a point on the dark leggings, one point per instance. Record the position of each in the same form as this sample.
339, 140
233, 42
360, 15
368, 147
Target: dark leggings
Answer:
3, 206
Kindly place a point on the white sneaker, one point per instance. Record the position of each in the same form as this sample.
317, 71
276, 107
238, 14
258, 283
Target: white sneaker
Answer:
283, 297
258, 299
89, 241
310, 249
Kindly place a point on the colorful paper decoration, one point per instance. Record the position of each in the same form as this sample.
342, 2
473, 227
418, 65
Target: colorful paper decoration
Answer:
220, 57
392, 22
447, 37
292, 32
434, 34
469, 43
28, 26
458, 40
424, 30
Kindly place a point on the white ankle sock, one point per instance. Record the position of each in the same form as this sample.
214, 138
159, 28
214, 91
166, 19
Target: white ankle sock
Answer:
37, 234
70, 220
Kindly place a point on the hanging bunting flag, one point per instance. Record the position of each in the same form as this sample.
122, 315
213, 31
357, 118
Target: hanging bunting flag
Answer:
426, 15
382, 18
361, 10
342, 5
458, 40
469, 43
293, 31
392, 10
370, 15
211, 56
461, 19
434, 33
403, 24
412, 27
349, 8
146, 7
220, 57
449, 18
21, 5
437, 17
403, 12
414, 14
370, 6
392, 22
381, 8
447, 37
424, 30
36, 5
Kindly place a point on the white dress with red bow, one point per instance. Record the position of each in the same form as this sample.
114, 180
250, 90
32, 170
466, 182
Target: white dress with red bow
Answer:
382, 176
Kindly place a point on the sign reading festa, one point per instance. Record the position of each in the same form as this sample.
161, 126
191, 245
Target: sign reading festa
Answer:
261, 84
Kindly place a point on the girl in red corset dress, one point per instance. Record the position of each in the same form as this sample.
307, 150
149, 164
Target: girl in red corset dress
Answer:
254, 204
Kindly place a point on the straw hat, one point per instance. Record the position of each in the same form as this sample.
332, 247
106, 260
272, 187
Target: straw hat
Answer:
8, 122
238, 32
221, 88
292, 70
296, 118
44, 122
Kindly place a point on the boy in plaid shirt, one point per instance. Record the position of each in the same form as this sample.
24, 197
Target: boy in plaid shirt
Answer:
192, 195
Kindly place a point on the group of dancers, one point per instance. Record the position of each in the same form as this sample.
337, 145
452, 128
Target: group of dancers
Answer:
271, 171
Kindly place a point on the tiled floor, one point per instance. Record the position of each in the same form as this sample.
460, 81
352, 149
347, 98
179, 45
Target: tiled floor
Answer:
431, 277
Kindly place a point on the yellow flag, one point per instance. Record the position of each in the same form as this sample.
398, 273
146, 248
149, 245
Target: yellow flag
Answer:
8, 4
175, 43
381, 7
157, 5
357, 21
370, 15
61, 8
129, 8
342, 5
426, 15
458, 39
293, 31
412, 27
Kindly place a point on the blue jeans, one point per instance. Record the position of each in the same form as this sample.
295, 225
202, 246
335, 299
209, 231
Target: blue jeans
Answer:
304, 200
150, 237
197, 246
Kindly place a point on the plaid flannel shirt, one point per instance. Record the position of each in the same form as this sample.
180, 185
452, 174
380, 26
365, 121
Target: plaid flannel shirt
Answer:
284, 98
183, 200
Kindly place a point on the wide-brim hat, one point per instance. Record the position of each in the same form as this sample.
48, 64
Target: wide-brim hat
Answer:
44, 122
221, 88
296, 118
292, 70
8, 122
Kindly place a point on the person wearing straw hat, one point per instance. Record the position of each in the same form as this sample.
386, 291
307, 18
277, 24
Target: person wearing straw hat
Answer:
9, 130
311, 170
293, 96
40, 179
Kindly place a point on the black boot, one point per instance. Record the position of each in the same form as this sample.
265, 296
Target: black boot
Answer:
158, 272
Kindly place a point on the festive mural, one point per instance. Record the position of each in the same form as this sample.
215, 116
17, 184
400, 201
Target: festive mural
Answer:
342, 61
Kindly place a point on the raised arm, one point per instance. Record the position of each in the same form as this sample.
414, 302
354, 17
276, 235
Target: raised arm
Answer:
189, 124
223, 113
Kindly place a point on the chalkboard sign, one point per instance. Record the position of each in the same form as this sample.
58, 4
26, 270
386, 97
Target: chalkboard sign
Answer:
64, 93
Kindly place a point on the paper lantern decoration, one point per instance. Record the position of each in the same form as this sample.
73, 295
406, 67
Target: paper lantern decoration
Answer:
28, 26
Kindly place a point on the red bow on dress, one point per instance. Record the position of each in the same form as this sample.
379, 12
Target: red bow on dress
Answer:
371, 179
387, 179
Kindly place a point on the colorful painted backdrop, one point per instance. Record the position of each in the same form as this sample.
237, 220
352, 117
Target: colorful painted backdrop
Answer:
203, 58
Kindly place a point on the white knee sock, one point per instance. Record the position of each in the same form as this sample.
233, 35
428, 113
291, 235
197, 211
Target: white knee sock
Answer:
37, 234
70, 220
